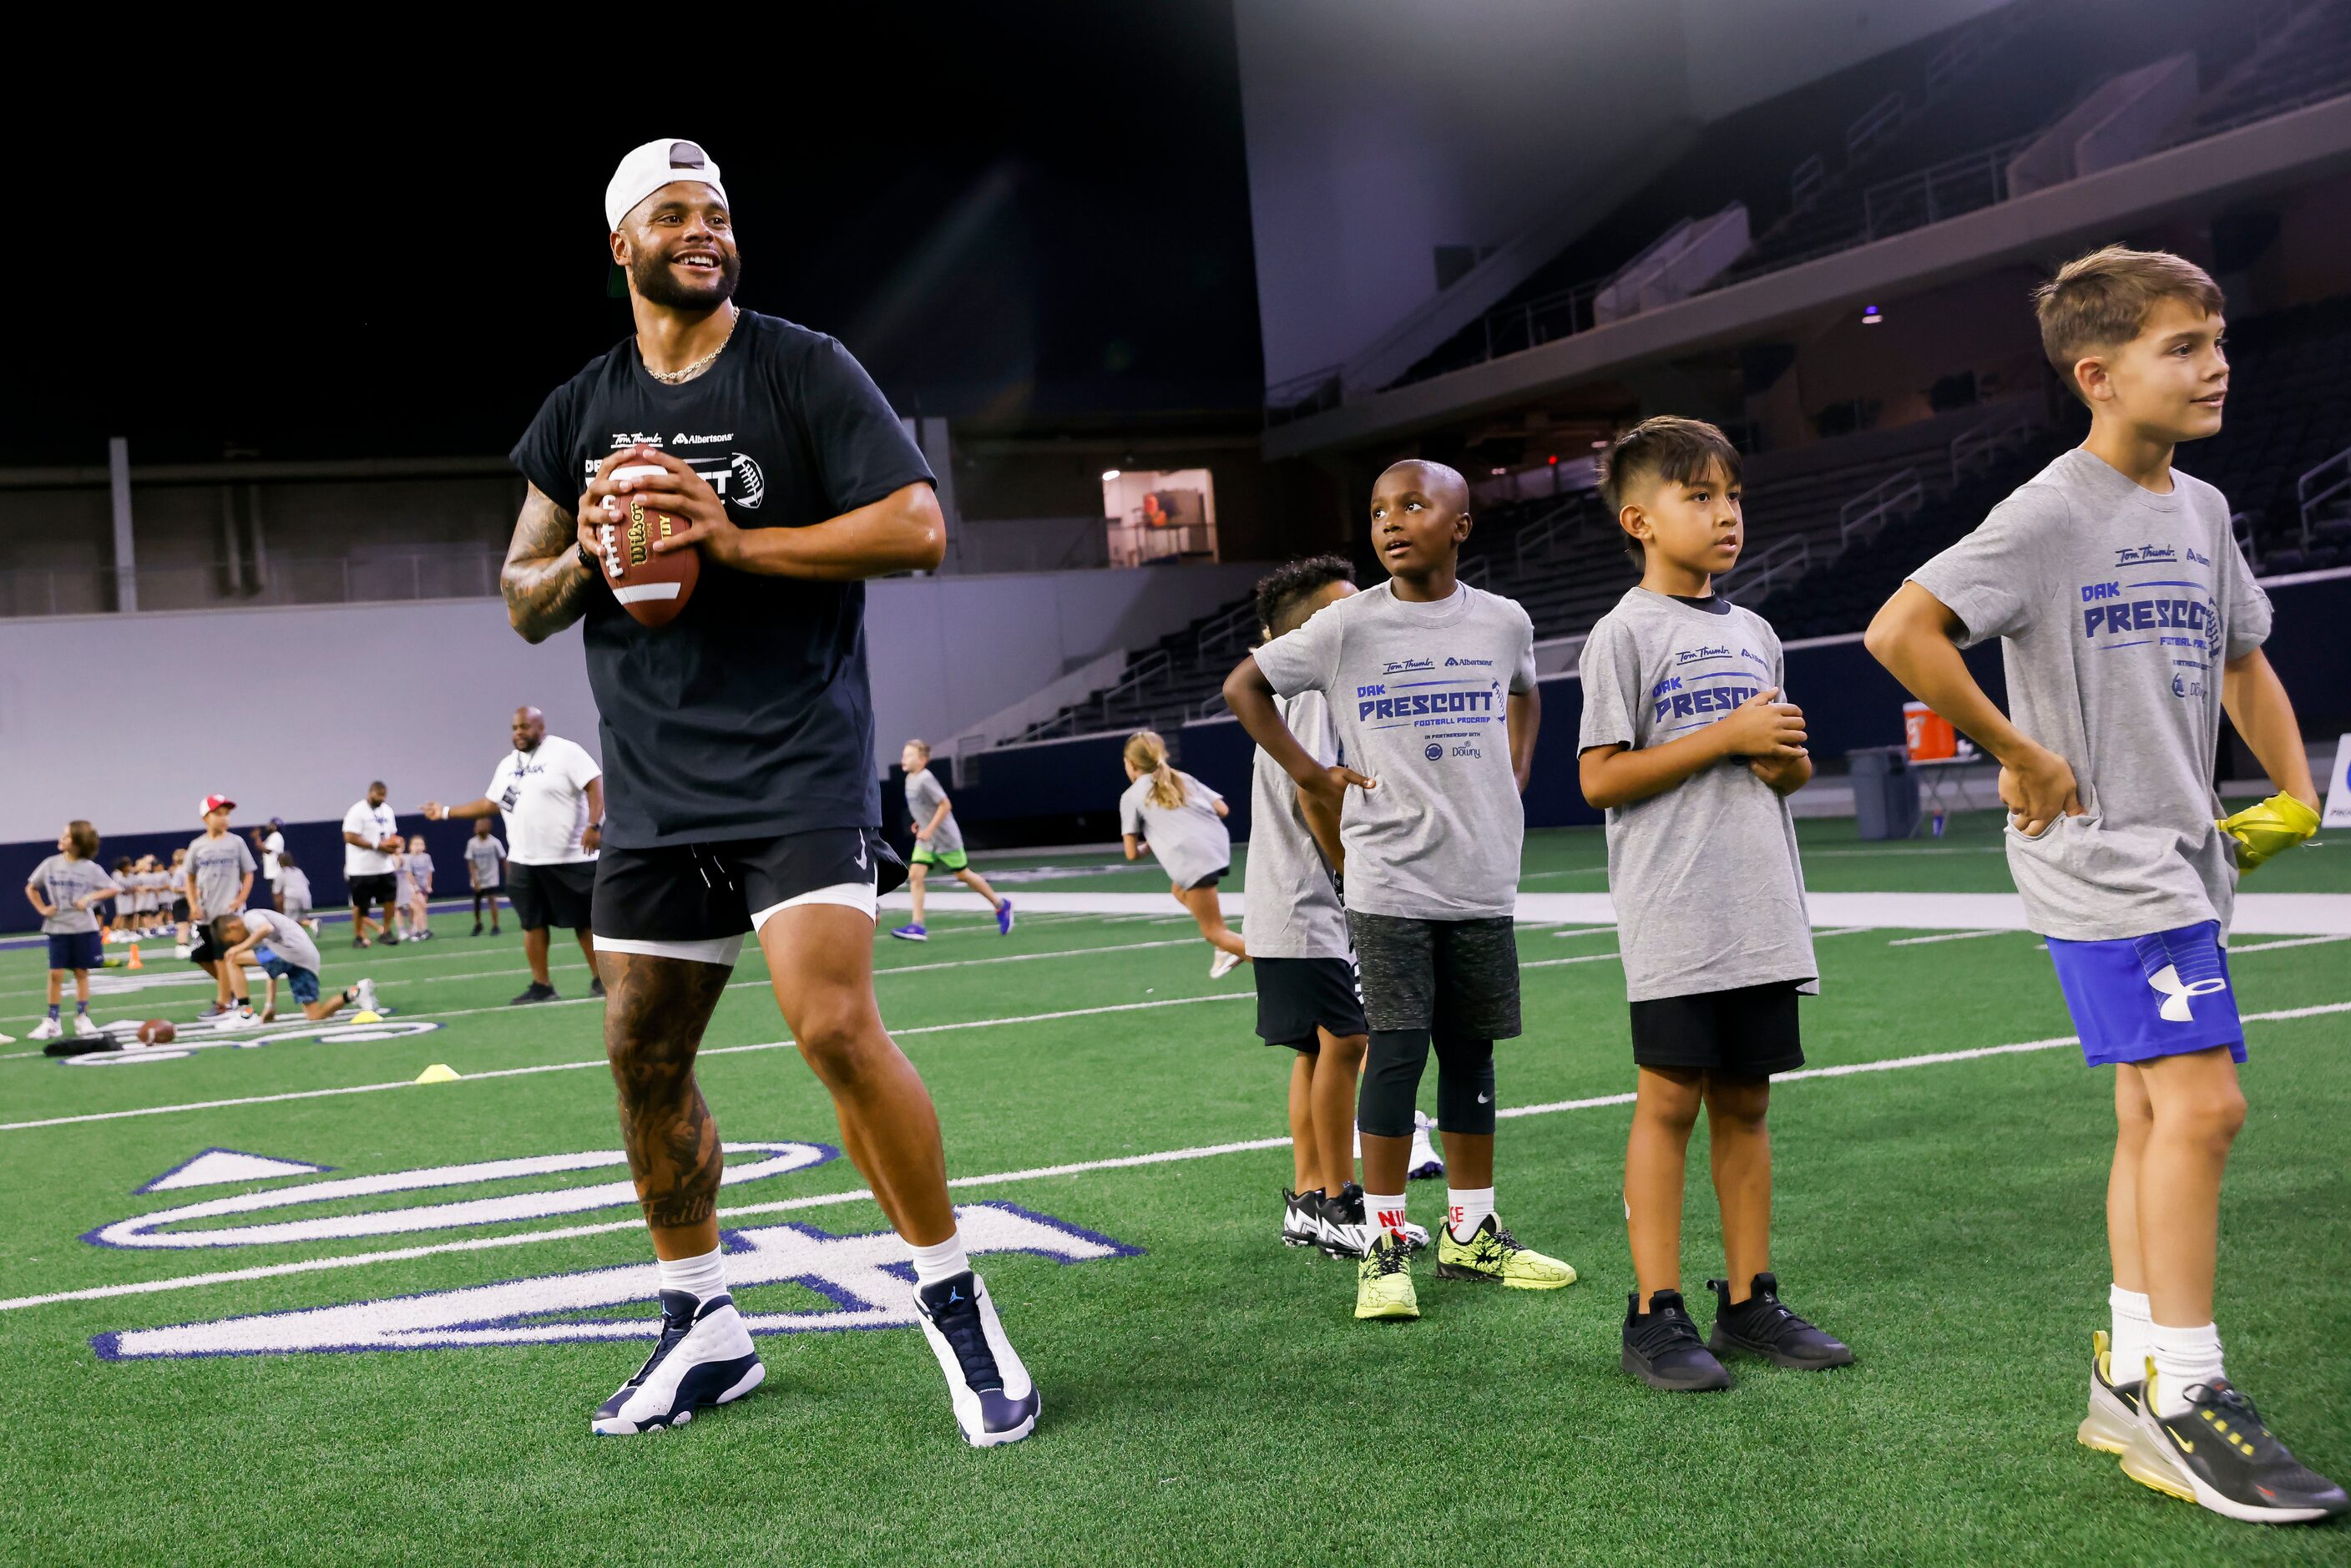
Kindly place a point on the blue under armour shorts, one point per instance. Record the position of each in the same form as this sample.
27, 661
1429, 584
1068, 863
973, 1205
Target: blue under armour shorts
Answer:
303, 983
2138, 997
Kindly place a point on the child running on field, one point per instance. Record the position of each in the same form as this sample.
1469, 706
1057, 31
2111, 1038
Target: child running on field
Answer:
2129, 625
1432, 694
62, 888
1686, 747
1181, 822
938, 842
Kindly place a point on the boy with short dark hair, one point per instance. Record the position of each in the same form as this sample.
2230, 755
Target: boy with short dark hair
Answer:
1686, 747
1309, 998
1432, 690
2129, 624
277, 945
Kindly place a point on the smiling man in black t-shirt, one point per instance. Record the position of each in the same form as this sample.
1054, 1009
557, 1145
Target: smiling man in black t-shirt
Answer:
739, 762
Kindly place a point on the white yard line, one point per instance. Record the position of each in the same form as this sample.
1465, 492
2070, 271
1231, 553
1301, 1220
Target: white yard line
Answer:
1843, 931
1945, 936
2292, 941
999, 1179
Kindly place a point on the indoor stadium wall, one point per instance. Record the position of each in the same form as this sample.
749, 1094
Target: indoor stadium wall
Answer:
314, 701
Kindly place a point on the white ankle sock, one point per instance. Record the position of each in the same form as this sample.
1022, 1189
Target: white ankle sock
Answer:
700, 1278
940, 1260
1384, 1210
1466, 1209
2183, 1357
2127, 1362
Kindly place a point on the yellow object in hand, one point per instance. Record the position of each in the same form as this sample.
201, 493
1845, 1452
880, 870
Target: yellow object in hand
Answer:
2278, 823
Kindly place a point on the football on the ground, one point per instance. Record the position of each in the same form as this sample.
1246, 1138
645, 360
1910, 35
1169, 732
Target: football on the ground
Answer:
652, 585
157, 1031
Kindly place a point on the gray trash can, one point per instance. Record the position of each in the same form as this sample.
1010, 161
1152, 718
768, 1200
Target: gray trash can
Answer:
1885, 792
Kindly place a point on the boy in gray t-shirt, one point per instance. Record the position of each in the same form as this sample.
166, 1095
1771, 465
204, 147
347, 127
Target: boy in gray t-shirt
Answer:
1308, 996
485, 868
1687, 747
938, 842
62, 889
1431, 686
2129, 624
218, 877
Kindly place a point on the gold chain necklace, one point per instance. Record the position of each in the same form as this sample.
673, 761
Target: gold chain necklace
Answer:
672, 378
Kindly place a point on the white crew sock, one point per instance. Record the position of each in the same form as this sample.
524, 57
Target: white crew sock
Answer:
940, 1260
700, 1278
1466, 1209
2183, 1358
2127, 1362
1384, 1210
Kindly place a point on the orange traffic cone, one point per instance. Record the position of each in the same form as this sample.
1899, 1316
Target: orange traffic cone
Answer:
136, 962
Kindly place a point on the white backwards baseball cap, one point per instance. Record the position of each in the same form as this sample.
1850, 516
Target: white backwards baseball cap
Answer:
649, 168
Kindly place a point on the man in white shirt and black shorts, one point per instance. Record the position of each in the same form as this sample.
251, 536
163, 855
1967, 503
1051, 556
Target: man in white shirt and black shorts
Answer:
552, 795
739, 743
371, 838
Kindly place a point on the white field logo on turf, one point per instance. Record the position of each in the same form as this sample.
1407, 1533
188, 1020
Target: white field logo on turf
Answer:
866, 1279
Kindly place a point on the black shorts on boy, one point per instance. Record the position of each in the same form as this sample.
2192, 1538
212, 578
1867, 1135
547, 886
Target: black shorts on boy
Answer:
1296, 997
1748, 1031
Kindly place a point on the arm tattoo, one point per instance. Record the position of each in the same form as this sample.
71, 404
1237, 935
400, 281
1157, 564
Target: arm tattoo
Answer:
545, 584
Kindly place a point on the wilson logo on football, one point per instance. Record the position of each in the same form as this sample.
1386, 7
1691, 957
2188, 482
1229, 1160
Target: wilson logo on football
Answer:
652, 585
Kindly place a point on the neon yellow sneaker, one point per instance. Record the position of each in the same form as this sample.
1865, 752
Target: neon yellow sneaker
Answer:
1384, 1281
1494, 1256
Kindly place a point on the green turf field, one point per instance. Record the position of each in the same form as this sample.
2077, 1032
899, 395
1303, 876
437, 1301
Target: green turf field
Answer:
1206, 1396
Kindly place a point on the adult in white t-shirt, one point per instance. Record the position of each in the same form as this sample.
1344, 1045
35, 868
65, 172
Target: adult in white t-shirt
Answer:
371, 838
551, 794
270, 843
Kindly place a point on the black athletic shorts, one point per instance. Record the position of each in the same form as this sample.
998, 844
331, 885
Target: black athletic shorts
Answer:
1210, 879
560, 893
372, 889
179, 908
1747, 1032
1295, 997
1457, 979
203, 949
702, 892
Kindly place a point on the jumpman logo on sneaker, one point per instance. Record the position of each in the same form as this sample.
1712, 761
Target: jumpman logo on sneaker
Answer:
954, 1295
2177, 993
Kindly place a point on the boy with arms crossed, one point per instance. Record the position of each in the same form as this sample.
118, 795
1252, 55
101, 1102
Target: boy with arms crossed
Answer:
938, 842
62, 888
1431, 684
1686, 750
2129, 622
485, 868
1308, 996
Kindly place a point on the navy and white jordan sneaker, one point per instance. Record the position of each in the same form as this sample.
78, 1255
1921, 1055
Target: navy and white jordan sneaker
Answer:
994, 1401
704, 1358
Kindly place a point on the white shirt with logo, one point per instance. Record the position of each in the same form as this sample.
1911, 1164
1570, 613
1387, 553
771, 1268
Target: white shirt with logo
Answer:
544, 794
375, 824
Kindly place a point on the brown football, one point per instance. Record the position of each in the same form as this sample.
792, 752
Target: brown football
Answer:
652, 585
157, 1031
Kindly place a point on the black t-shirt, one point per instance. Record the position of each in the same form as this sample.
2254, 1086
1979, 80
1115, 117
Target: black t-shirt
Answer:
749, 716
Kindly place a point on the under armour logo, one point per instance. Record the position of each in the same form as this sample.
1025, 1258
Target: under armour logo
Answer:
2177, 992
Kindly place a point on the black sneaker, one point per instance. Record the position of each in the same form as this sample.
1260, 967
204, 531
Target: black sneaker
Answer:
2221, 1457
1346, 1228
477, 928
1662, 1347
596, 986
1302, 1218
534, 992
1763, 1325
